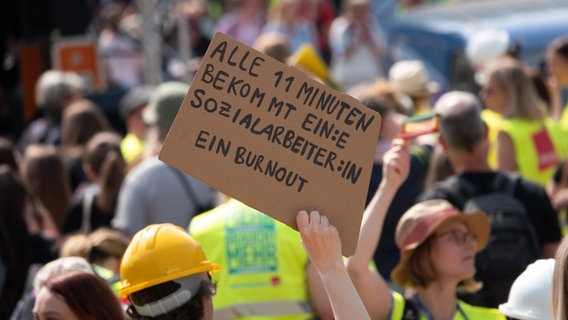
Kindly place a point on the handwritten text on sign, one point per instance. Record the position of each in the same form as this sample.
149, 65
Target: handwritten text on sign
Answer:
274, 138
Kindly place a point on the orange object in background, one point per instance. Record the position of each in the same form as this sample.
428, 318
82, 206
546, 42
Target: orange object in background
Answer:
79, 54
33, 62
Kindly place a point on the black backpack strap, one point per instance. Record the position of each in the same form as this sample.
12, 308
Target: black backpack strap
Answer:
457, 190
508, 183
505, 183
411, 311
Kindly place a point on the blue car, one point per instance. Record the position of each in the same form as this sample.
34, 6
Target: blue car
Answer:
438, 34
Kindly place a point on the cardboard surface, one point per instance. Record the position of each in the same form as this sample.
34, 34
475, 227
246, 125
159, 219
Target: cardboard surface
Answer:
275, 139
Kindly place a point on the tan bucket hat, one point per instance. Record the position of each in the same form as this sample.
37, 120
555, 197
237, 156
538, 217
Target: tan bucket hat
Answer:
424, 219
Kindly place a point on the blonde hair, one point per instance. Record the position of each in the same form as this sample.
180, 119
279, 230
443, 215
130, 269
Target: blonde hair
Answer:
95, 246
522, 98
560, 282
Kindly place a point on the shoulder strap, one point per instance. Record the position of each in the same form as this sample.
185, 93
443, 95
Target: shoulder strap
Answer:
88, 199
457, 189
185, 184
410, 311
505, 183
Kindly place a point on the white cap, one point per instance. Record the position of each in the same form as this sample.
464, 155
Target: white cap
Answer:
487, 45
530, 296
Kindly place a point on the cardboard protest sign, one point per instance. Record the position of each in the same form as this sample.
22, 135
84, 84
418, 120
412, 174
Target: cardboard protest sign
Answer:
272, 137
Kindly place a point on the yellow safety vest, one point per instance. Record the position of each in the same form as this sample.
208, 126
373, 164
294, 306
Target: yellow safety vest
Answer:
493, 120
465, 311
109, 276
262, 264
531, 136
131, 147
564, 119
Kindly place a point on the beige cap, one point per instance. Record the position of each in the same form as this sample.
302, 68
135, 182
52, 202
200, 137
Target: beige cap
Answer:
410, 77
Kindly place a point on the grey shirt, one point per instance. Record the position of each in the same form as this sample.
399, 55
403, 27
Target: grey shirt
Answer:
153, 193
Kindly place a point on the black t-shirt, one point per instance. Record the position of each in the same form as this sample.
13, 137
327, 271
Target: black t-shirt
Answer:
533, 196
75, 216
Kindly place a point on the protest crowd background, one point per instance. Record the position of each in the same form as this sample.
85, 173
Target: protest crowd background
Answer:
80, 179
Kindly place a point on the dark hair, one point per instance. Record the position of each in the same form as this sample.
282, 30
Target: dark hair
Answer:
47, 179
103, 156
560, 46
87, 295
81, 121
8, 153
14, 238
193, 309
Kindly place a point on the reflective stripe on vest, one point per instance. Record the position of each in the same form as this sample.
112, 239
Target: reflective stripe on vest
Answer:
278, 308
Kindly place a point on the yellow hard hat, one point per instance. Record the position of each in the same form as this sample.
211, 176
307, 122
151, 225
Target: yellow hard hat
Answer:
160, 253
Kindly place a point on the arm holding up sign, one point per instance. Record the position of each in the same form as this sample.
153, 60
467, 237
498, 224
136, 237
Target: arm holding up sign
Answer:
369, 283
322, 243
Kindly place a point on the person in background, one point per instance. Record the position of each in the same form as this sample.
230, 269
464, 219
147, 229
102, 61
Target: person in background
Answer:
438, 244
272, 278
161, 283
245, 21
274, 45
102, 248
411, 78
76, 295
94, 204
81, 121
46, 178
557, 63
19, 247
358, 45
121, 54
8, 154
54, 91
381, 97
153, 192
528, 140
463, 138
38, 275
322, 12
286, 20
131, 106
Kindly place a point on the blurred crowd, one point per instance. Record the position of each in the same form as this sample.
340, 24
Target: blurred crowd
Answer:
76, 183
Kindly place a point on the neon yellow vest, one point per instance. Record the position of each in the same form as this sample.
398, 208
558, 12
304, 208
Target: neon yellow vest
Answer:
471, 312
262, 264
112, 278
532, 165
494, 122
564, 119
131, 147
